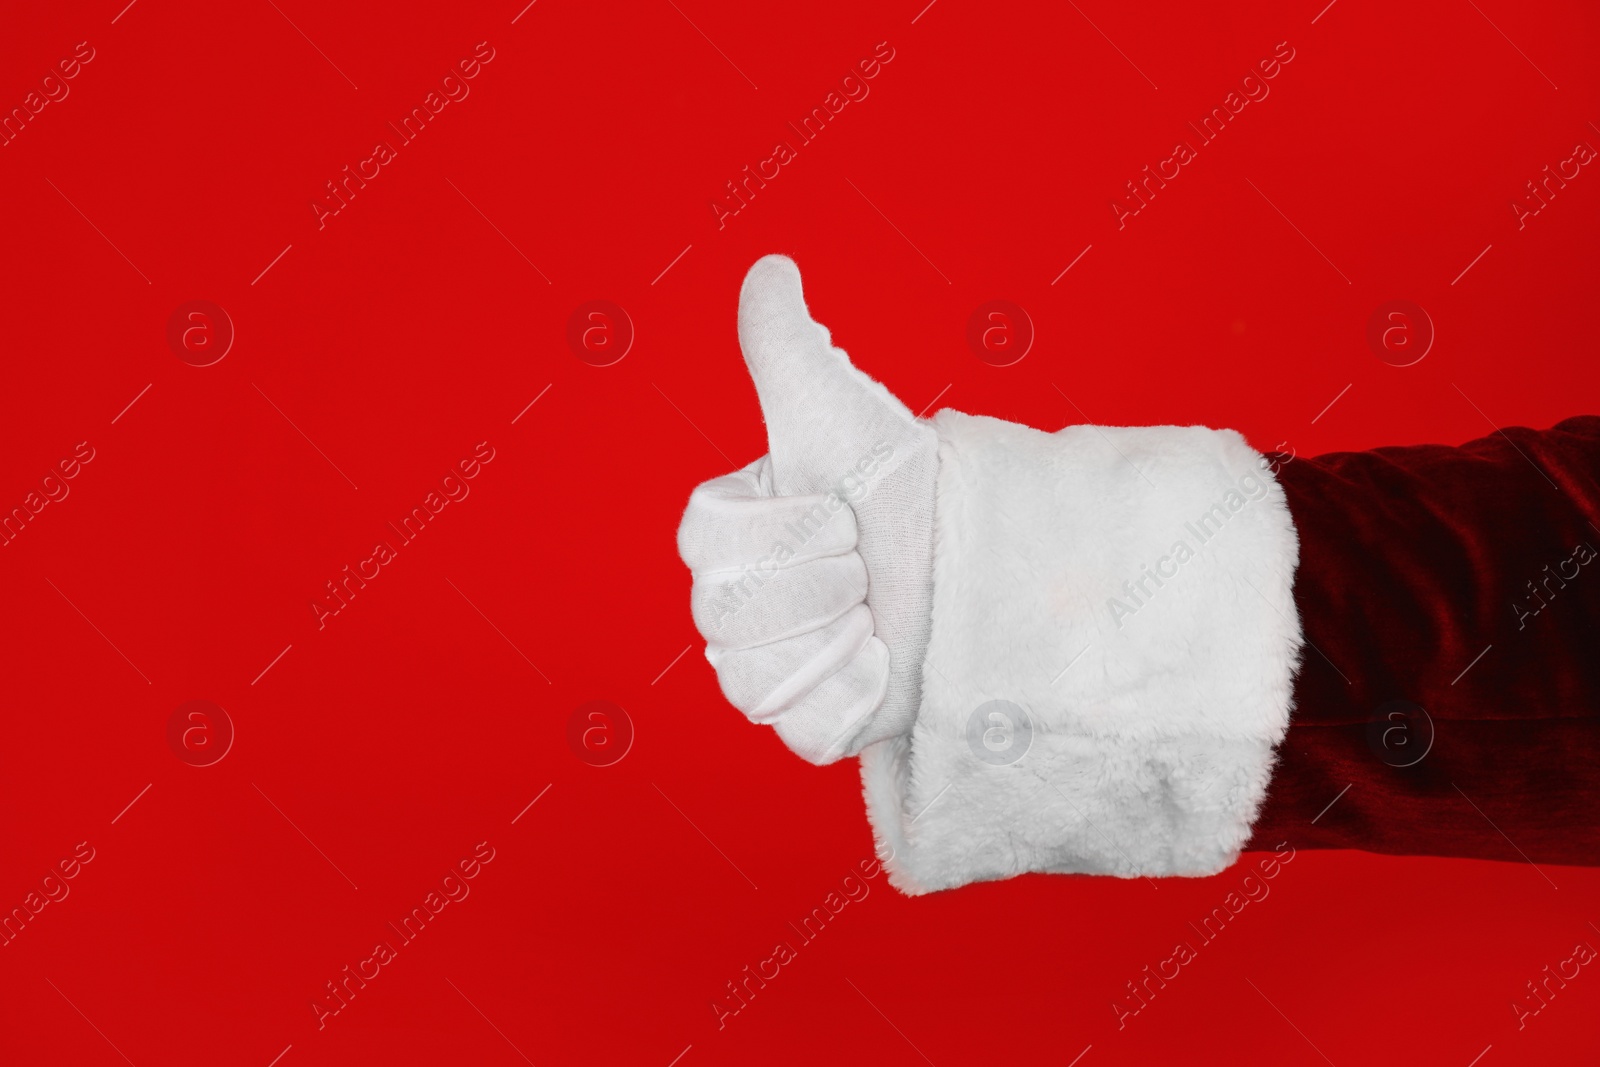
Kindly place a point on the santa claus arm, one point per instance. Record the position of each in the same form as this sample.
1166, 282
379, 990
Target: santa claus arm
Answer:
1449, 700
1078, 652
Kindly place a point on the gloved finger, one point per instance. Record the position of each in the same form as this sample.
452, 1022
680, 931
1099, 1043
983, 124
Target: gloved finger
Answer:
819, 727
766, 680
735, 520
748, 607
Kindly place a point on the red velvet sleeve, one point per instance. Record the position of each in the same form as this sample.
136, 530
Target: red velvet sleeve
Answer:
1448, 699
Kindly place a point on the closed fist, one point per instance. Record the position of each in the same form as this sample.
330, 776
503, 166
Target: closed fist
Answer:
813, 566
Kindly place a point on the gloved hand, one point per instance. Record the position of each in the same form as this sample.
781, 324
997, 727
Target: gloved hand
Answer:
1107, 615
813, 566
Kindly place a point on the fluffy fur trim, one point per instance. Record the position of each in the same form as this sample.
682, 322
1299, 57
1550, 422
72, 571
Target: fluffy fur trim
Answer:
1111, 663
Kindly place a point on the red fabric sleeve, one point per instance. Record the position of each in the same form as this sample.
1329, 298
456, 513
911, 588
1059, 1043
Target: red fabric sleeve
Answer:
1449, 689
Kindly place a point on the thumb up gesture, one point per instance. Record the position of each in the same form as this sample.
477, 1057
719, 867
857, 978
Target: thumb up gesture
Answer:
813, 565
1128, 747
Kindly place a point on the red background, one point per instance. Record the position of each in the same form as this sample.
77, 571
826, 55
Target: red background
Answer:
416, 724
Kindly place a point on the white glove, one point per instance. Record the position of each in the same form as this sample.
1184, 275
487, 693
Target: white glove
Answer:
786, 552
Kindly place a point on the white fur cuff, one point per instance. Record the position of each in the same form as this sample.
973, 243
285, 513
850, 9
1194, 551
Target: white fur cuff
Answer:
1113, 648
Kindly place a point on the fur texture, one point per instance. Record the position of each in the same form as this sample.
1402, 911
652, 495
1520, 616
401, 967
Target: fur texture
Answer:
1153, 680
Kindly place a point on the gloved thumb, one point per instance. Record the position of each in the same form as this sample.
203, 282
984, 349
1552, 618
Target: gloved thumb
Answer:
822, 414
